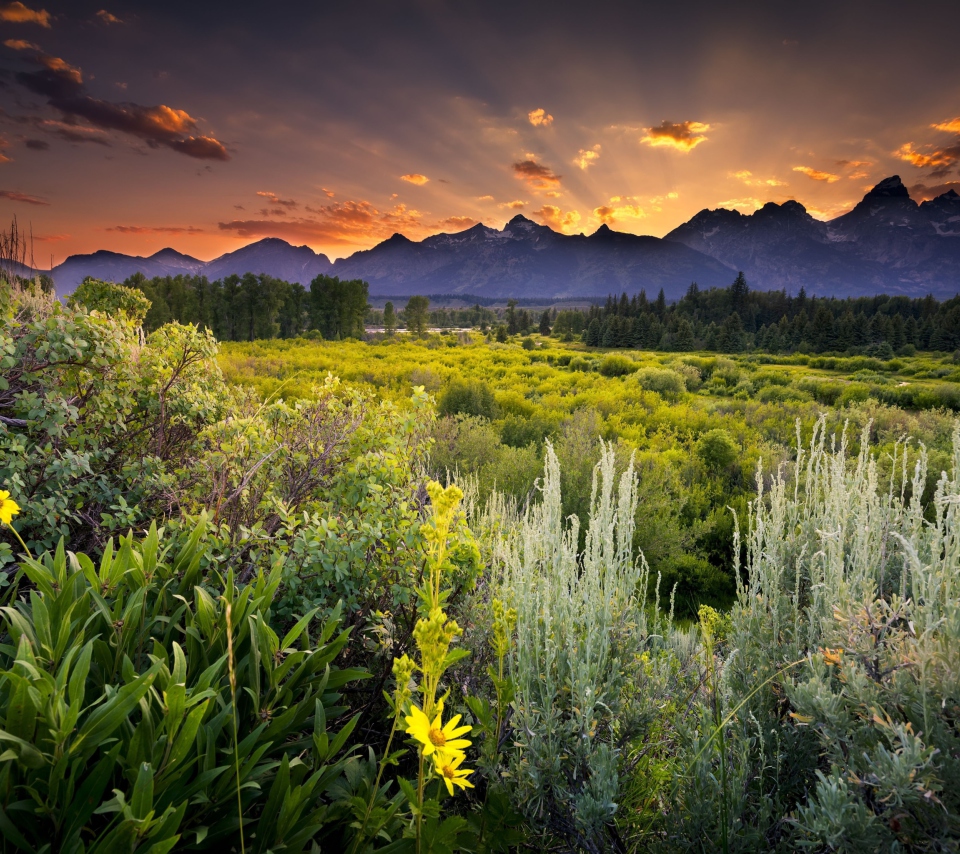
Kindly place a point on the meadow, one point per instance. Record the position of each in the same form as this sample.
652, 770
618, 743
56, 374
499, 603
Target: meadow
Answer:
456, 594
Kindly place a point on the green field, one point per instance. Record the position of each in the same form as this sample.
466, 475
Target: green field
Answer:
448, 594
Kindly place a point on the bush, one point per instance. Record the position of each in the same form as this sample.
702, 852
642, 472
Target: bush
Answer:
472, 397
717, 449
616, 365
661, 380
141, 701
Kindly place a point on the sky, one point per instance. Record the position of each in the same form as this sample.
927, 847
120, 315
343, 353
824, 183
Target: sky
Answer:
205, 126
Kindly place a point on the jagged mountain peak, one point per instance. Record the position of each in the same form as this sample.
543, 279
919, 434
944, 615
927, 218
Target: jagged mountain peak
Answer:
888, 188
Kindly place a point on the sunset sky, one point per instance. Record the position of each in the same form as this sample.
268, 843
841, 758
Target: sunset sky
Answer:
205, 125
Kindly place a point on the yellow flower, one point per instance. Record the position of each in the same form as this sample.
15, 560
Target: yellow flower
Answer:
435, 737
8, 507
832, 656
449, 770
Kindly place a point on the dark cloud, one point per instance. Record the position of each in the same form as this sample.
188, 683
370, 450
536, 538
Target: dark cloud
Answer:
940, 161
161, 126
37, 144
107, 18
274, 199
924, 192
16, 196
537, 176
682, 136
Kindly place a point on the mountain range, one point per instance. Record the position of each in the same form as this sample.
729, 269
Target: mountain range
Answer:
887, 244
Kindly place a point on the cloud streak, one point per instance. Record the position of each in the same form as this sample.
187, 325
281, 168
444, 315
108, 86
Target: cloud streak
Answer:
817, 174
16, 196
680, 136
156, 229
415, 178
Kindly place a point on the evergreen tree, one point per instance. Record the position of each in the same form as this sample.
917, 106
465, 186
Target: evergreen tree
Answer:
417, 315
389, 319
545, 322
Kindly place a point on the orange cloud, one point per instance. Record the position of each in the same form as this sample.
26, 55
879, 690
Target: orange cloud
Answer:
339, 224
586, 157
484, 198
816, 174
854, 164
540, 118
944, 157
747, 177
612, 212
21, 44
682, 136
16, 196
156, 229
276, 200
536, 175
17, 13
51, 238
515, 205
858, 176
749, 202
107, 18
950, 125
415, 178
557, 219
459, 223
328, 193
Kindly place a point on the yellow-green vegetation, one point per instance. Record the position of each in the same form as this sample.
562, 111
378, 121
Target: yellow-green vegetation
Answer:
461, 595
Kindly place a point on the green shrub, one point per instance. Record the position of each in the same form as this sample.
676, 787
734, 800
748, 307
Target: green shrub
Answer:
146, 708
616, 365
717, 449
661, 380
470, 397
692, 582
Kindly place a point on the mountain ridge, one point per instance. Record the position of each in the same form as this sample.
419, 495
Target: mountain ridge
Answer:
887, 243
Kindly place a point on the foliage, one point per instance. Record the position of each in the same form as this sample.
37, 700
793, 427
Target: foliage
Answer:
468, 398
417, 314
93, 420
146, 708
109, 298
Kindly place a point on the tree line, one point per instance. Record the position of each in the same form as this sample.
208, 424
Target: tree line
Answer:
734, 319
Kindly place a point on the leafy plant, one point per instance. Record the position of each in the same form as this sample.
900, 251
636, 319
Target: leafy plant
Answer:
137, 716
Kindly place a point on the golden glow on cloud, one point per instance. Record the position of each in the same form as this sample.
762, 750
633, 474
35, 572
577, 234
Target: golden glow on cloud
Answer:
536, 175
487, 198
587, 156
816, 174
557, 219
515, 205
415, 178
540, 118
681, 136
750, 203
945, 157
615, 212
950, 125
17, 13
747, 177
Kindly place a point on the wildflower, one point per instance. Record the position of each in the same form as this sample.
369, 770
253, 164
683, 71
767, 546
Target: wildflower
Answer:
452, 774
8, 507
435, 737
832, 656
